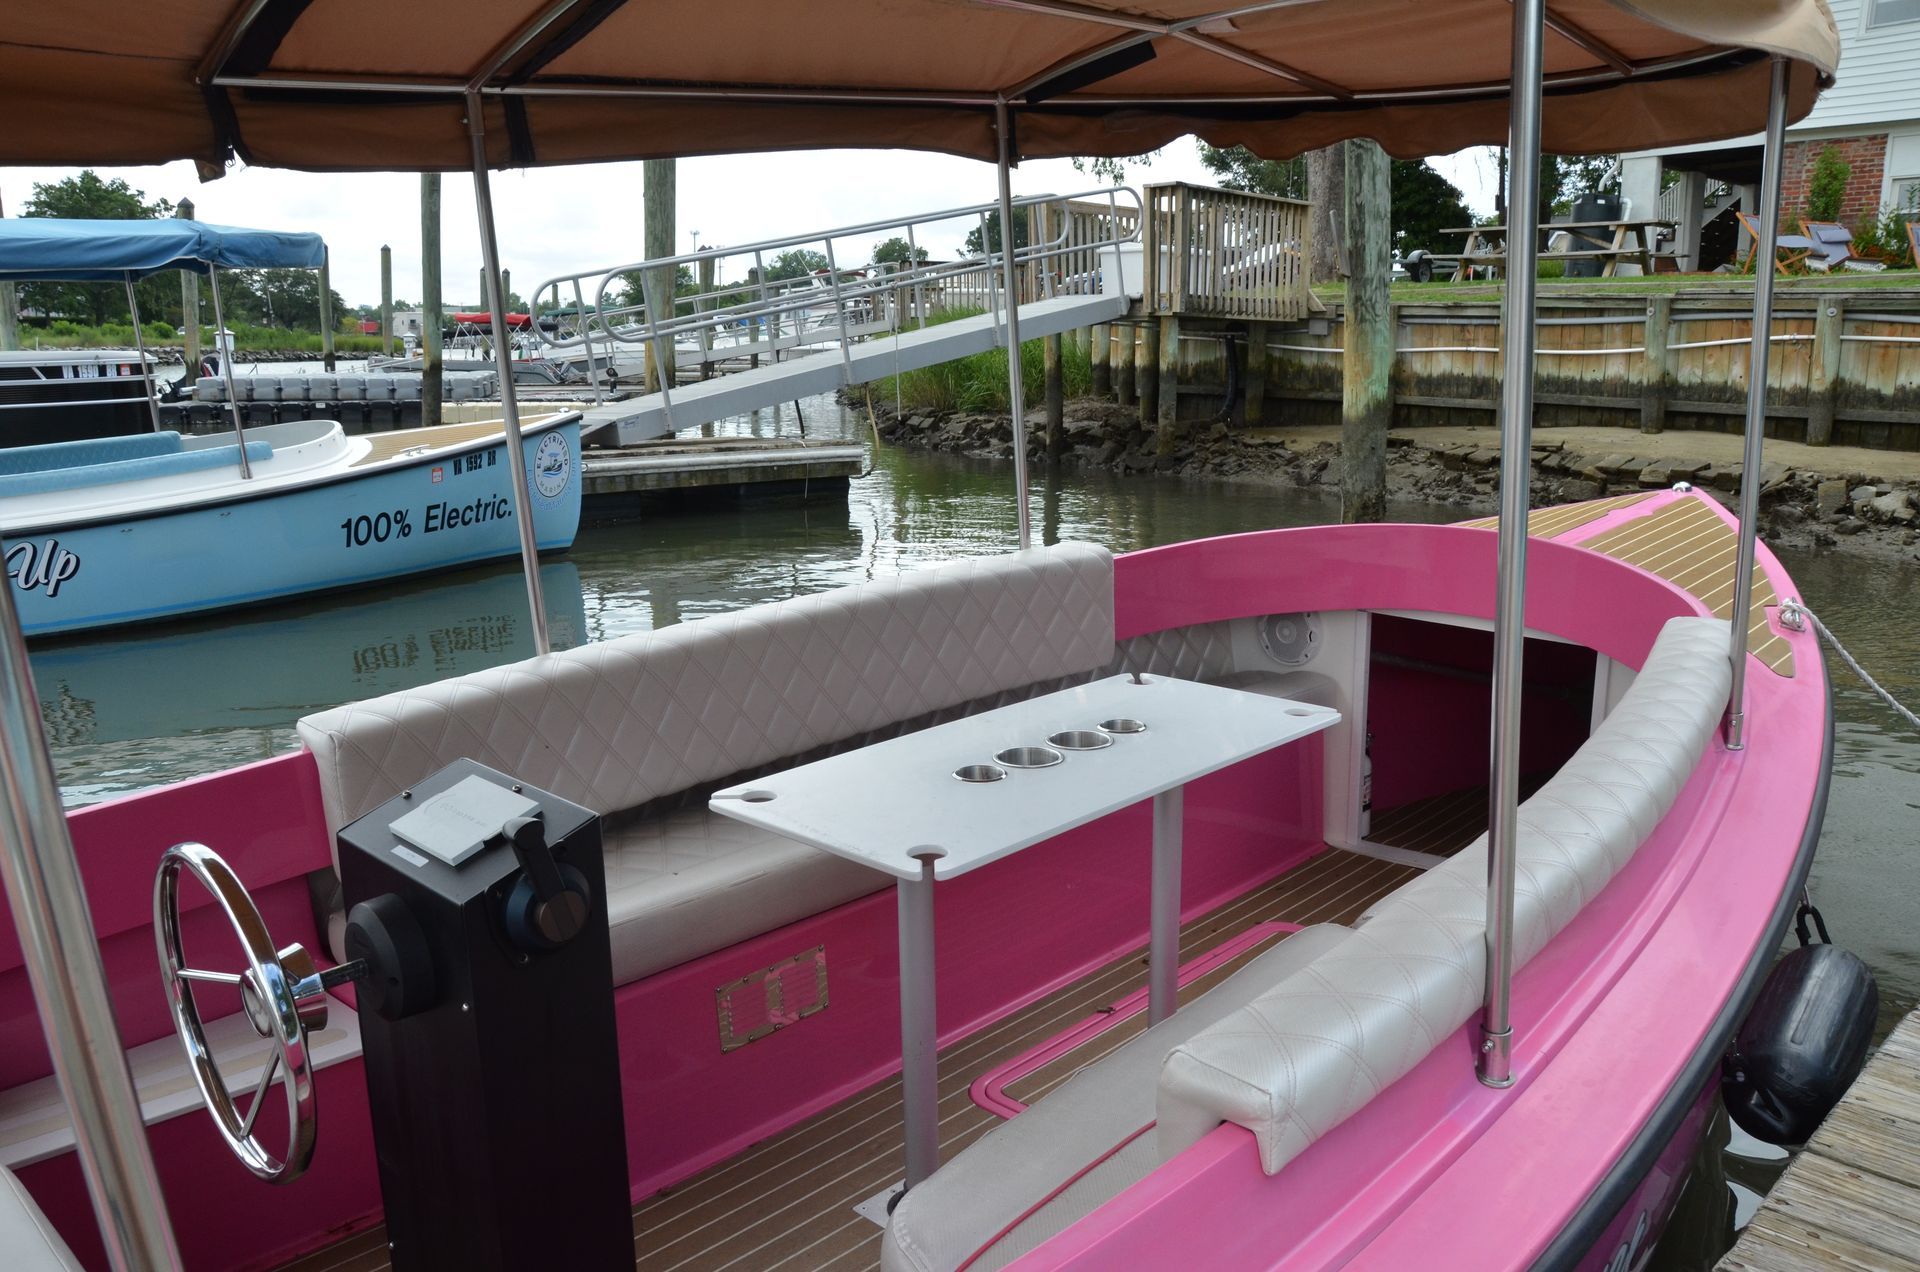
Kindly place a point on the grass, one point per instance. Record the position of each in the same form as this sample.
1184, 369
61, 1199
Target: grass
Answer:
1482, 289
69, 335
978, 382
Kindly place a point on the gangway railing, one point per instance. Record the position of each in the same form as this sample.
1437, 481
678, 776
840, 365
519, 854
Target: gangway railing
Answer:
831, 308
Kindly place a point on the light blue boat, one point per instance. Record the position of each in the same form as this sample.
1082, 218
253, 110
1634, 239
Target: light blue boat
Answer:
133, 529
110, 531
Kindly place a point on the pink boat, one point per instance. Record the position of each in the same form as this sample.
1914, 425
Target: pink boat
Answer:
1250, 951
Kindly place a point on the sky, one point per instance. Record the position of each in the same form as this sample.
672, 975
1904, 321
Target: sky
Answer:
562, 221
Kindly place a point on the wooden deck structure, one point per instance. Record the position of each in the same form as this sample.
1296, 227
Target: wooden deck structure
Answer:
1852, 1198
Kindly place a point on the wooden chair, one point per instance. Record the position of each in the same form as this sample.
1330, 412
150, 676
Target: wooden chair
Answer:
1833, 249
1792, 250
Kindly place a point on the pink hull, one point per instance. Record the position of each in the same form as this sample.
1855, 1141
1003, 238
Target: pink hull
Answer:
1612, 1019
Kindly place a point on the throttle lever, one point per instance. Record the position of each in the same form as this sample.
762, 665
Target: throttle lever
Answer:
549, 906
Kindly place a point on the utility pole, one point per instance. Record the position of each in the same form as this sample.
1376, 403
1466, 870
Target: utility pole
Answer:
658, 197
9, 312
189, 303
431, 317
386, 300
1366, 400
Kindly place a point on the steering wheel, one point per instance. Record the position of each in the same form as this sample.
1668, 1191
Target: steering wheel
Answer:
281, 993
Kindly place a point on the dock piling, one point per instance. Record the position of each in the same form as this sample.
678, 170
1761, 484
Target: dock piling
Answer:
1823, 376
432, 316
1654, 375
1126, 383
1100, 356
189, 302
1367, 367
1167, 431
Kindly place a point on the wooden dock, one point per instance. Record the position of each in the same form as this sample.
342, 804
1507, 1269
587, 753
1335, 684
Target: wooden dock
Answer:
629, 480
1852, 1198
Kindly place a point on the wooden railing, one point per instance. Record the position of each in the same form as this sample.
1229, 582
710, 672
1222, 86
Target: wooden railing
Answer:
1225, 254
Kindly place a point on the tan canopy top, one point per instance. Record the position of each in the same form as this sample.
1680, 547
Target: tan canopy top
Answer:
382, 84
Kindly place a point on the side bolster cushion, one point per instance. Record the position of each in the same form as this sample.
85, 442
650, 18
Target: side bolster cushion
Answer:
1311, 1052
613, 725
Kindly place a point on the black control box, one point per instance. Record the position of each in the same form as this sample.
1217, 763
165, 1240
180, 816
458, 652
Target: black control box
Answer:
491, 1053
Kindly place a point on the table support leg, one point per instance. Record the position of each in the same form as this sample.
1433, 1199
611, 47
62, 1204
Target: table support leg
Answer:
1163, 949
919, 1037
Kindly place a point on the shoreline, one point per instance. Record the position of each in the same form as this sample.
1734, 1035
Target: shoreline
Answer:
1847, 499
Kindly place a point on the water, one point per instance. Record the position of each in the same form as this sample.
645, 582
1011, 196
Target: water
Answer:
163, 705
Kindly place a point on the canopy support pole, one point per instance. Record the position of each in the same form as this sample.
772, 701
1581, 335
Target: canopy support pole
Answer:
140, 346
1750, 474
503, 361
62, 956
1010, 285
223, 340
1495, 1060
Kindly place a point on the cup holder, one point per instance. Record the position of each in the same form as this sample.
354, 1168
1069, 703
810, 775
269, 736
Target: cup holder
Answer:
1029, 757
1123, 724
1081, 739
979, 772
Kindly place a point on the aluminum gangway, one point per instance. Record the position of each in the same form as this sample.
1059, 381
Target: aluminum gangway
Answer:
838, 326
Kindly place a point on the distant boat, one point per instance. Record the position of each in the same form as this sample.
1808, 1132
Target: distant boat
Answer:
61, 395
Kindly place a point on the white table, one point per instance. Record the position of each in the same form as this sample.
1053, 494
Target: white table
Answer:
897, 806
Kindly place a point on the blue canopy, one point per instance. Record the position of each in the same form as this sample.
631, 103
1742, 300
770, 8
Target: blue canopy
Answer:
49, 248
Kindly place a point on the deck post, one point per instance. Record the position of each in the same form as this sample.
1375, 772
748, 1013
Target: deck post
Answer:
1253, 410
1146, 374
432, 316
1823, 385
1010, 286
61, 953
1126, 363
1750, 475
503, 362
189, 303
1495, 1059
1100, 357
1366, 398
386, 300
1167, 431
1051, 352
1653, 372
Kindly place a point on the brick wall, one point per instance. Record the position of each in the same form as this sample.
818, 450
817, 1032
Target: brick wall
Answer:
1868, 157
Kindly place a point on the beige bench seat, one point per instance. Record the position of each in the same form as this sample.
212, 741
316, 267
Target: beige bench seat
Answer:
26, 1238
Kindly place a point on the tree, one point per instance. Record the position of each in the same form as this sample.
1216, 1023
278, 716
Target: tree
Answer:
1425, 203
1020, 232
796, 262
1827, 185
1240, 169
87, 197
897, 251
284, 298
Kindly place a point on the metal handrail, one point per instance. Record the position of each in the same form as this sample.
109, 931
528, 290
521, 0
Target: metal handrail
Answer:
722, 307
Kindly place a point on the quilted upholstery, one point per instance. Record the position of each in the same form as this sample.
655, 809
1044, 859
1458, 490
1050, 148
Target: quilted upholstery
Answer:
976, 1201
26, 1238
1312, 1051
616, 724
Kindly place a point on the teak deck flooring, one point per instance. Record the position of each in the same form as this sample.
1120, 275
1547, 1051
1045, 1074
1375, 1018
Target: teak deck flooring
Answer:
788, 1201
1852, 1198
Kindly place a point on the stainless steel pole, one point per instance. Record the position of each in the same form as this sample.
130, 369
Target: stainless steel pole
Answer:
1750, 474
223, 341
62, 957
503, 362
1163, 941
140, 347
1016, 388
1510, 616
919, 1027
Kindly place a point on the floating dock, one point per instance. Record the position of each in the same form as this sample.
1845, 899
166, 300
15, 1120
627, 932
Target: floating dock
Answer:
627, 481
1851, 1199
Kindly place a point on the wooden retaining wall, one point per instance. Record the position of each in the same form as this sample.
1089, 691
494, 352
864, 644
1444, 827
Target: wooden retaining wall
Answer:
1845, 365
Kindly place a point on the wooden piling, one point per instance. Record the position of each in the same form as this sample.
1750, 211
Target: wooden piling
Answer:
1367, 367
189, 303
326, 312
432, 310
1101, 359
657, 193
1169, 432
1126, 361
1823, 376
1056, 392
1654, 376
1254, 410
386, 300
1146, 374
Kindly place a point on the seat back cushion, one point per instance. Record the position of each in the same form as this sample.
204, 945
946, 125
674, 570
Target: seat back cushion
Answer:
1315, 1049
616, 724
28, 1242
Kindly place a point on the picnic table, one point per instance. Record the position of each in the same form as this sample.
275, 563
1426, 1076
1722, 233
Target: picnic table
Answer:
1627, 242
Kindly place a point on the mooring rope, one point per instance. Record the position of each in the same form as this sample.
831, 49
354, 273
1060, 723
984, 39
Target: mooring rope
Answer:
1791, 614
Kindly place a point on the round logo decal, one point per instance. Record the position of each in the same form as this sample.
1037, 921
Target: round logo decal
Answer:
552, 466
